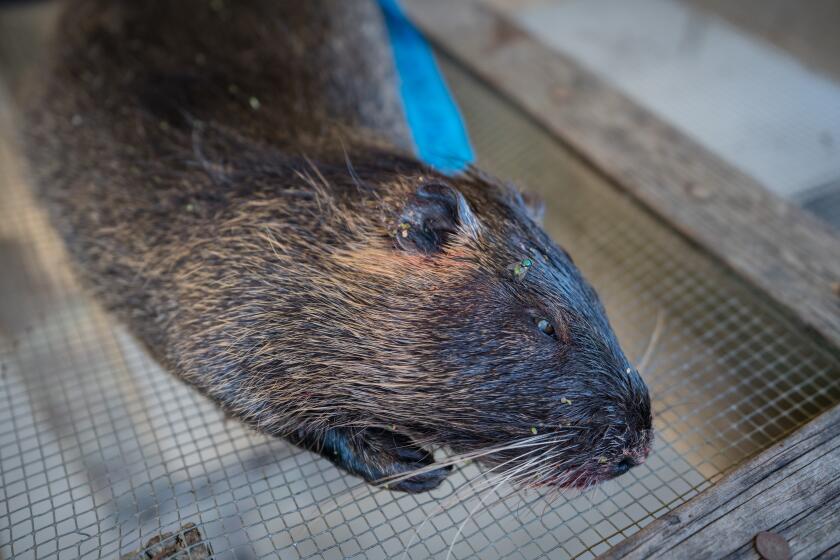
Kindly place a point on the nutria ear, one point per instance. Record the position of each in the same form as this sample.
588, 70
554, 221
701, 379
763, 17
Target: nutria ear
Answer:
527, 200
534, 204
432, 214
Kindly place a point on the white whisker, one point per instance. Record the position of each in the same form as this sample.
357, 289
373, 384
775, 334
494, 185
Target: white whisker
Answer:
653, 341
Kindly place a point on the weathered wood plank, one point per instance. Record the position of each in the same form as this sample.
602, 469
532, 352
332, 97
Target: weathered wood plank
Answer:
815, 532
792, 489
773, 244
810, 34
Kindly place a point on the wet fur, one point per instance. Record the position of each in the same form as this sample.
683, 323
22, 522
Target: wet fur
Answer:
289, 259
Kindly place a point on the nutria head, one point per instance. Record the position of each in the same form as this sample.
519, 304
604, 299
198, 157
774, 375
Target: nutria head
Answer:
513, 346
435, 307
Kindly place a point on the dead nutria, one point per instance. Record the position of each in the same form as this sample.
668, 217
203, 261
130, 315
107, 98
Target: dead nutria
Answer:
232, 180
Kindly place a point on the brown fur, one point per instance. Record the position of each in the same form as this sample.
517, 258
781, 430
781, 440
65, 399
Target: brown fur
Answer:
232, 181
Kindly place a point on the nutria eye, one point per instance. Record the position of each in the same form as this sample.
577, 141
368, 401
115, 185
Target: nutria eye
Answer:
546, 327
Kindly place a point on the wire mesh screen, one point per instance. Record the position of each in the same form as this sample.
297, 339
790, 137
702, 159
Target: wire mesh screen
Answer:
103, 454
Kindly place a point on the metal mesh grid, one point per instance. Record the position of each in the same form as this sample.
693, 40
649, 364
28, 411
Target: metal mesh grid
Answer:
100, 450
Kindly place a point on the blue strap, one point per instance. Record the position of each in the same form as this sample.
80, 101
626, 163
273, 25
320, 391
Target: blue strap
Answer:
437, 128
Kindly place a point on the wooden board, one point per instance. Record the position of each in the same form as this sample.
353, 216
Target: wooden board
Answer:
776, 246
792, 489
810, 33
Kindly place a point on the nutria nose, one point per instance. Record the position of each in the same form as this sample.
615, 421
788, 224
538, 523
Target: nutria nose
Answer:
624, 465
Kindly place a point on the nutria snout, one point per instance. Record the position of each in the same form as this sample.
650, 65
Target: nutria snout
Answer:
234, 185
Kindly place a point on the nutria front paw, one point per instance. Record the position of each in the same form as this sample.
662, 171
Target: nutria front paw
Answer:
399, 456
385, 458
379, 456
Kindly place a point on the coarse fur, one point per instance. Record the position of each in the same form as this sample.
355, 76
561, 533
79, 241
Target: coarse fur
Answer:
233, 181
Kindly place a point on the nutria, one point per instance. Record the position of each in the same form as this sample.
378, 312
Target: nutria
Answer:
234, 181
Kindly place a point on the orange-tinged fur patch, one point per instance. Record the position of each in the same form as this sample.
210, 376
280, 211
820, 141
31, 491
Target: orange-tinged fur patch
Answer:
454, 265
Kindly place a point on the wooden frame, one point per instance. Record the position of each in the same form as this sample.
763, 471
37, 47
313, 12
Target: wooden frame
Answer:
774, 245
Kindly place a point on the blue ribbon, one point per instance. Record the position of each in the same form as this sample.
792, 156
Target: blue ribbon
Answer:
436, 125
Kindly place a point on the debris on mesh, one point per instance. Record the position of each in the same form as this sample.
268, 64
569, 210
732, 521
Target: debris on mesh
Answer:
186, 545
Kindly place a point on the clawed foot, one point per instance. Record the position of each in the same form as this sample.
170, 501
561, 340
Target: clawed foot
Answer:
379, 456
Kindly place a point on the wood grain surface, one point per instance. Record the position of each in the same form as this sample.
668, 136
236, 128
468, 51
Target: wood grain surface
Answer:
810, 34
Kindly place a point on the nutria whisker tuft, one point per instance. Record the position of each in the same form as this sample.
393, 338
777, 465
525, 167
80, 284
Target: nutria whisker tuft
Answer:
474, 486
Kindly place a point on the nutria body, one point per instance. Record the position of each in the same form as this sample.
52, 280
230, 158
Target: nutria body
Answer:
233, 180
